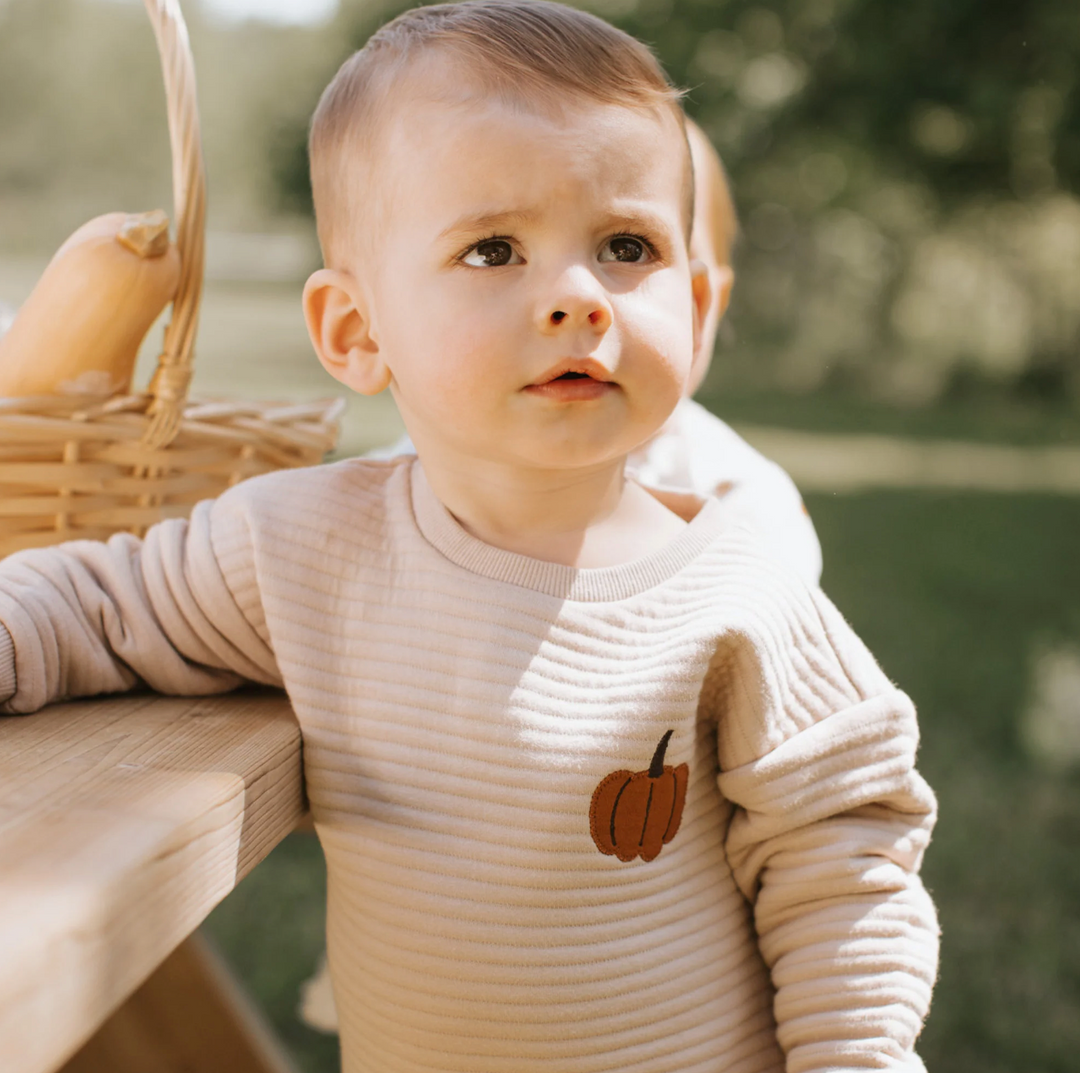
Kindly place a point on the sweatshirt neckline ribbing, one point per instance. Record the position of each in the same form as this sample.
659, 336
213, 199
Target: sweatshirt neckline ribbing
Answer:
586, 584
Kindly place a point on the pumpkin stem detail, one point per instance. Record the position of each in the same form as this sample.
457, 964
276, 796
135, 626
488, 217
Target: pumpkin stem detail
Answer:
656, 768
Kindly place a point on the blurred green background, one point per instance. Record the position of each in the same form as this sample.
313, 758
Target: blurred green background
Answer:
908, 180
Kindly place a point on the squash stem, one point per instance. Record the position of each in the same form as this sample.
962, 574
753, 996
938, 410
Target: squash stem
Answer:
656, 768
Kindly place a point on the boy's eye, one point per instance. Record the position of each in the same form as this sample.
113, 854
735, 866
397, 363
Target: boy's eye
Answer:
625, 249
492, 253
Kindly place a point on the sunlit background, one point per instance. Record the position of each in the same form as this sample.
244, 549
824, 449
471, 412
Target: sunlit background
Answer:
904, 337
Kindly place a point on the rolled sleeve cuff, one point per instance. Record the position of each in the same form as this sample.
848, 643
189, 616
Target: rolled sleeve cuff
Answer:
7, 665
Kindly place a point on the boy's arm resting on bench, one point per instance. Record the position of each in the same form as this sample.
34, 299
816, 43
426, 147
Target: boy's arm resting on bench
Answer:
828, 835
89, 617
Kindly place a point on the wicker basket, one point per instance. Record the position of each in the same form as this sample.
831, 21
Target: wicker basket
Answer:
73, 466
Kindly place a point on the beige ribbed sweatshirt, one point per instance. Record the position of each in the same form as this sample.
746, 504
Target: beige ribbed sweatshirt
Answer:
478, 731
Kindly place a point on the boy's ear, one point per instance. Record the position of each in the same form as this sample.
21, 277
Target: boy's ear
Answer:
340, 330
701, 292
723, 279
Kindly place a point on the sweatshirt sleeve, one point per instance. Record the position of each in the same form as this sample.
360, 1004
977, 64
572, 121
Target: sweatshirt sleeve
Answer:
817, 754
90, 617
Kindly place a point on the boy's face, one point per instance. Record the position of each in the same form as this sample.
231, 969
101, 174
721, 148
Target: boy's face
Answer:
531, 296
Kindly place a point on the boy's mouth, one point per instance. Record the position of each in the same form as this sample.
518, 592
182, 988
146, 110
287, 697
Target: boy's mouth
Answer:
574, 369
575, 380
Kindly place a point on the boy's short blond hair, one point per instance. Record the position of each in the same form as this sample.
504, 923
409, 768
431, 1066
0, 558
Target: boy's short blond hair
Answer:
527, 53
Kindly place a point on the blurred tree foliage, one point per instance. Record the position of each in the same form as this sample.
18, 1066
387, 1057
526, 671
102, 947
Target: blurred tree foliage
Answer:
947, 92
906, 175
967, 96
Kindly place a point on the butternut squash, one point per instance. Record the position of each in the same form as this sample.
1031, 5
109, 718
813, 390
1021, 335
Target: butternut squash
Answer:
81, 327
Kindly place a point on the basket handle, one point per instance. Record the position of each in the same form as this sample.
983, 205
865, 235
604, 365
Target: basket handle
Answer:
169, 386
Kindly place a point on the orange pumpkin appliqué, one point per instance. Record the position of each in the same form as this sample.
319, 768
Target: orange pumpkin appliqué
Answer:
636, 813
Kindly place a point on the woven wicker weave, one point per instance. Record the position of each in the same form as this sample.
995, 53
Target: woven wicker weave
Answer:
74, 467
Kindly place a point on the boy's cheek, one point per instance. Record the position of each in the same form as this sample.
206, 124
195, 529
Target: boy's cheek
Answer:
668, 295
667, 333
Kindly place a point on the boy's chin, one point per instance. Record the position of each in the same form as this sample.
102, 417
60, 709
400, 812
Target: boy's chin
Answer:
565, 446
571, 454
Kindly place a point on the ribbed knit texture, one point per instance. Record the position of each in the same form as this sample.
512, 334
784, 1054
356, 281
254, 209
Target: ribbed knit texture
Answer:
459, 704
7, 665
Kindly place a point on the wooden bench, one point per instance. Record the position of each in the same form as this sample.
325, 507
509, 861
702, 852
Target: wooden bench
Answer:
123, 822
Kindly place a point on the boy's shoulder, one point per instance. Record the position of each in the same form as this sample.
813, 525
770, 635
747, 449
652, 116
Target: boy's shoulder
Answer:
331, 497
325, 480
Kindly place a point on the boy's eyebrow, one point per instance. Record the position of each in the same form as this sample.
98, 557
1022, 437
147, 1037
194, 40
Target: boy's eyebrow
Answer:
639, 219
487, 221
636, 219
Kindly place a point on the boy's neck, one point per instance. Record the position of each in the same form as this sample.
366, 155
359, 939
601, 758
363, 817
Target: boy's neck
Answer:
590, 517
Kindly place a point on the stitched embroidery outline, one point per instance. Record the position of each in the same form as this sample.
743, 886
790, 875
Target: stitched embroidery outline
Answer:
636, 813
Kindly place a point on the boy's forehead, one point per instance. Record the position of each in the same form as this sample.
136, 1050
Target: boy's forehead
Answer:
499, 156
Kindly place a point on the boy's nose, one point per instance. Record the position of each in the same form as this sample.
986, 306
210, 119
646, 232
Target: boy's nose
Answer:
597, 317
577, 301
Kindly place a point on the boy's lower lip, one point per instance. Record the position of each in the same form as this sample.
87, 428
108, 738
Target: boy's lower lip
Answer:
580, 389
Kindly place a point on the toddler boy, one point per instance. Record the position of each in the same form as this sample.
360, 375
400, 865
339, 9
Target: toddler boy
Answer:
600, 785
694, 451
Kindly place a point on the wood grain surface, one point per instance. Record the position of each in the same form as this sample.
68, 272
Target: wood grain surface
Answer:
123, 822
